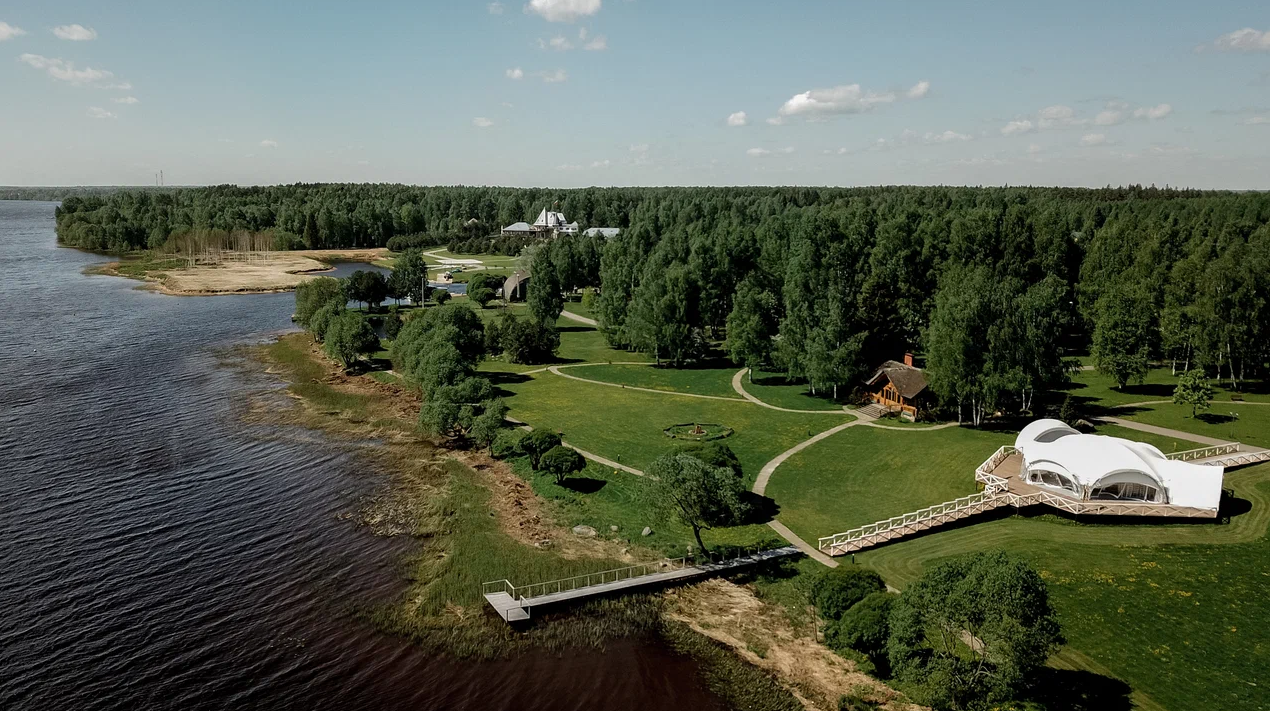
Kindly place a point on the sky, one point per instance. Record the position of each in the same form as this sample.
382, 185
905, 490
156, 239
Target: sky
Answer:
571, 93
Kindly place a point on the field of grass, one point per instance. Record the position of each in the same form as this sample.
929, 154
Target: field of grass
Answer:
576, 307
865, 474
774, 389
1174, 609
626, 425
601, 497
716, 382
1234, 422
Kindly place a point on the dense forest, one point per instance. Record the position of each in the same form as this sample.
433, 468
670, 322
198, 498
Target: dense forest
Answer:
994, 285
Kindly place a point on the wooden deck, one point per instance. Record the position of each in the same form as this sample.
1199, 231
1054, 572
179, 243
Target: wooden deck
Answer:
1002, 486
514, 603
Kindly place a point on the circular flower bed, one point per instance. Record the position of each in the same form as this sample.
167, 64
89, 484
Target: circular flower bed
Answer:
698, 431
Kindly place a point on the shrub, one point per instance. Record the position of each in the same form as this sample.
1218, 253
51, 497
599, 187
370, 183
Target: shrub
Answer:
716, 454
835, 590
312, 295
392, 326
440, 296
562, 461
865, 626
538, 443
507, 444
348, 336
320, 322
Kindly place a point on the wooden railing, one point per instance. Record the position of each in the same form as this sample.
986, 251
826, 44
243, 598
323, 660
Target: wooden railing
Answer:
913, 518
613, 575
1191, 455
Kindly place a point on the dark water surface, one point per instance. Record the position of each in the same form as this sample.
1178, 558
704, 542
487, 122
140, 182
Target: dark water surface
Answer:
156, 553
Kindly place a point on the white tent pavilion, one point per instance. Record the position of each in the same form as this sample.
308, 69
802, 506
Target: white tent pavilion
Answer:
1100, 468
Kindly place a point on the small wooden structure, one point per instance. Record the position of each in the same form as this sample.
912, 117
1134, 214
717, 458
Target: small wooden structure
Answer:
898, 387
515, 602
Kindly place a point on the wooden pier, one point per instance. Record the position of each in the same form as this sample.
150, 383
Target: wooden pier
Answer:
514, 602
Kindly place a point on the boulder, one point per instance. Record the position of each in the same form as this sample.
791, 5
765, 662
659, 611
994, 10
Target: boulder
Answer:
586, 531
647, 531
613, 529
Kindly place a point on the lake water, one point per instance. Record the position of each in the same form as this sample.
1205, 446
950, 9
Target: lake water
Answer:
157, 553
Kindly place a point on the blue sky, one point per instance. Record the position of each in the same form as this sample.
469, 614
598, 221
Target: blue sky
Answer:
636, 92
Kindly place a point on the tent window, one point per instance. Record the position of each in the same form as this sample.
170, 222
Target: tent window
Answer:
1055, 480
1127, 492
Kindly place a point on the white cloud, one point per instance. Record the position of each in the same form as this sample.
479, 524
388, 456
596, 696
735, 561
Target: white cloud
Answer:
1109, 117
482, 122
8, 31
563, 10
63, 70
775, 121
639, 154
1020, 126
75, 33
555, 77
919, 89
1257, 121
1093, 139
600, 164
756, 152
558, 43
1033, 149
515, 73
597, 44
838, 100
1058, 116
495, 8
268, 143
1152, 113
98, 112
569, 166
1245, 40
738, 119
945, 137
126, 100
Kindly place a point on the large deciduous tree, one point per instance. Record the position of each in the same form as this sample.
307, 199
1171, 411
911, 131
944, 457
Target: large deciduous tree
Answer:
1123, 333
751, 326
971, 630
699, 495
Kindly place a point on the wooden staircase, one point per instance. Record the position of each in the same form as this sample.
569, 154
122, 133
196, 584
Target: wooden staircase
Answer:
873, 410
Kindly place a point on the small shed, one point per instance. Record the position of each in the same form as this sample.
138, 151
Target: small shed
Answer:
516, 286
898, 387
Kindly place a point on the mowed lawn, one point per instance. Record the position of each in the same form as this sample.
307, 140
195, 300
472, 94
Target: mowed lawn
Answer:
774, 389
1175, 610
716, 382
865, 474
626, 425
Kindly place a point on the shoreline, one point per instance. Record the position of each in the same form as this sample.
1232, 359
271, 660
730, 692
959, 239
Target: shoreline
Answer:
275, 273
700, 620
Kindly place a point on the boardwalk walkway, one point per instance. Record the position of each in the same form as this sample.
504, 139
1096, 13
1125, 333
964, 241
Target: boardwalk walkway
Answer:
514, 603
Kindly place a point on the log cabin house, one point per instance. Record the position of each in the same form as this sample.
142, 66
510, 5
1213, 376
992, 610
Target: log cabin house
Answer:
898, 387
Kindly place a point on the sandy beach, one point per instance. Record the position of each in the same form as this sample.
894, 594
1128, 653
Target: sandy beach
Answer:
276, 271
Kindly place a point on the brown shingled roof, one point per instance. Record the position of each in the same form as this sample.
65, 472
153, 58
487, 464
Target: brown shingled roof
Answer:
909, 381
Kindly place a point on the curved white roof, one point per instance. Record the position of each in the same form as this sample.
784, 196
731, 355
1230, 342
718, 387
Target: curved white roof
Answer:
1093, 460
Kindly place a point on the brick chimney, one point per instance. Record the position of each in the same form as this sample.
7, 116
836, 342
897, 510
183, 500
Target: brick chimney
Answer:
908, 359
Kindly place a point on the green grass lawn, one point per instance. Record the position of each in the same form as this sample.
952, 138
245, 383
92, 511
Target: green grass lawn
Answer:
1233, 422
774, 389
601, 497
576, 307
701, 381
865, 474
1092, 387
627, 425
1175, 610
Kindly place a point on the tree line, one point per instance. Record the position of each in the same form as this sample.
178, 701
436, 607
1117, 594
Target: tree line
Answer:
996, 286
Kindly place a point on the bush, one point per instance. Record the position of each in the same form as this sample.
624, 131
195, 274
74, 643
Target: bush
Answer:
348, 336
320, 322
312, 295
835, 590
440, 296
865, 626
392, 326
401, 243
507, 444
716, 454
481, 296
284, 241
562, 461
538, 443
